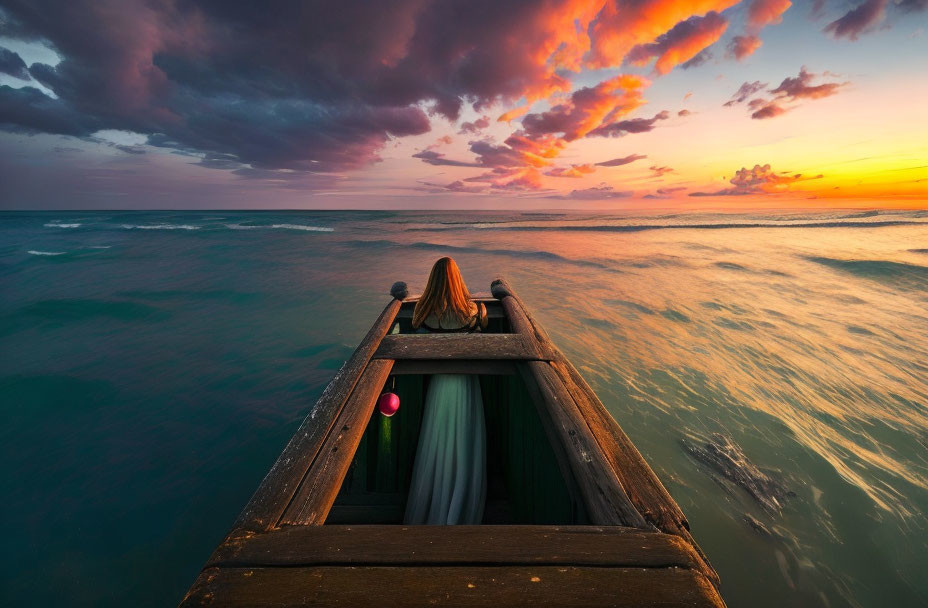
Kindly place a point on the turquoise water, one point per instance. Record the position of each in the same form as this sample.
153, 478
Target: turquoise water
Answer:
155, 364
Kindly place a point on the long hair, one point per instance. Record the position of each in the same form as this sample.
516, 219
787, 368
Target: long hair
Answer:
444, 293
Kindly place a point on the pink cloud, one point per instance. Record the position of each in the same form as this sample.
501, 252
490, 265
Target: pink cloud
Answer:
475, 127
766, 12
741, 47
758, 180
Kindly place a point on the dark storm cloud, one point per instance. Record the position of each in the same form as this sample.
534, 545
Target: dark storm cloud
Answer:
13, 64
306, 86
29, 110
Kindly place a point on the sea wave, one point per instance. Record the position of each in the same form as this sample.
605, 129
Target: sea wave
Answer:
899, 273
61, 225
280, 227
34, 252
513, 253
640, 227
160, 227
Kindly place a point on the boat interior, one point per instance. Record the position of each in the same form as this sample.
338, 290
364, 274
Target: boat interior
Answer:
524, 482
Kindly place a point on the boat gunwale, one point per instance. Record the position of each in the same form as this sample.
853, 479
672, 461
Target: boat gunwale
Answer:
614, 469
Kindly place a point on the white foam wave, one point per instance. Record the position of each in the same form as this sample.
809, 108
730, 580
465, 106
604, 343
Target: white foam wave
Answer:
34, 252
160, 227
282, 227
99, 246
61, 225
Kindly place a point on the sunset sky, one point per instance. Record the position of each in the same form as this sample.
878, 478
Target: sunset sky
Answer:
702, 104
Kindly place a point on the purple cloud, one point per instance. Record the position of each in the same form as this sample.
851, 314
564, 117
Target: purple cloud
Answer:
624, 160
631, 125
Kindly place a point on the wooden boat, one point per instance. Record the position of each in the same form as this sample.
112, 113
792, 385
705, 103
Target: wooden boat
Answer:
574, 517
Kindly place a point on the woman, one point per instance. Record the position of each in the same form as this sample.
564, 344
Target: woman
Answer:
449, 483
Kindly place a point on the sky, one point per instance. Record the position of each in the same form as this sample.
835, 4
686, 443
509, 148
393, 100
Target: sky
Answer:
463, 104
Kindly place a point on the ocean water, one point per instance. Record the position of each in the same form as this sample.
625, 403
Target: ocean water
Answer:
153, 366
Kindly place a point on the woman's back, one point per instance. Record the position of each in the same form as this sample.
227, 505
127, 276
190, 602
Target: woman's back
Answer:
447, 321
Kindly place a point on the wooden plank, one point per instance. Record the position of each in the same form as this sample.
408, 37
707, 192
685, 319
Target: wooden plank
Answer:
456, 545
461, 586
456, 346
605, 500
317, 492
490, 367
643, 486
276, 490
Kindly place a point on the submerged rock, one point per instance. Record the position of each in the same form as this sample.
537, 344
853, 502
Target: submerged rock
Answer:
722, 455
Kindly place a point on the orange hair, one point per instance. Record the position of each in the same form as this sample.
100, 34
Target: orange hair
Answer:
445, 292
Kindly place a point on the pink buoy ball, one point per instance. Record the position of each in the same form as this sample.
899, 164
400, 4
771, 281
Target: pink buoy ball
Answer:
388, 404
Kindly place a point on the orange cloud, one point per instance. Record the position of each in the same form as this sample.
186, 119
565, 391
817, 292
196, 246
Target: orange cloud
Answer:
681, 44
624, 24
572, 171
589, 108
514, 113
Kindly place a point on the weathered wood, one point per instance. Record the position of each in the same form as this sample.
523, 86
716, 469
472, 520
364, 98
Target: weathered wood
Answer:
317, 492
643, 486
456, 346
490, 367
387, 545
461, 586
277, 489
520, 319
604, 498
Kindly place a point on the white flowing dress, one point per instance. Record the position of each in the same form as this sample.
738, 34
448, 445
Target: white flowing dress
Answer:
449, 484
